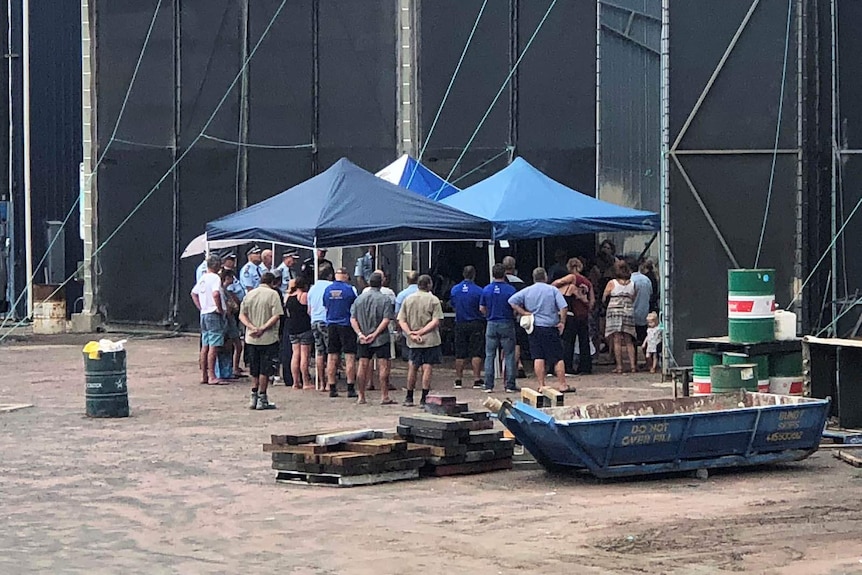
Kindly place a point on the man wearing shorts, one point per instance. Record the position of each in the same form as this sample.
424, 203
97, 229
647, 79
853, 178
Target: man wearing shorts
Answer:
261, 313
469, 327
317, 311
419, 319
548, 307
370, 316
338, 298
207, 296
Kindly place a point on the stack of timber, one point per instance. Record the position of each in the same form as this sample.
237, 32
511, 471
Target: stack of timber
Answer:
548, 397
445, 405
459, 445
344, 458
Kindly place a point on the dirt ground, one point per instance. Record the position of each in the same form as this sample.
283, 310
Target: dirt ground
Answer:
182, 486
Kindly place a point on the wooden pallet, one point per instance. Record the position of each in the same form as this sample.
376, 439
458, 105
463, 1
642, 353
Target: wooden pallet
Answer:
467, 468
844, 436
334, 480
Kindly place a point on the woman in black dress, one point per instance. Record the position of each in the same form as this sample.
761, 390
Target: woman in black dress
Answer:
297, 326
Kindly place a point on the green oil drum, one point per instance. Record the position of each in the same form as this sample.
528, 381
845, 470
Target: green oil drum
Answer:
106, 394
751, 305
702, 361
762, 362
785, 373
728, 378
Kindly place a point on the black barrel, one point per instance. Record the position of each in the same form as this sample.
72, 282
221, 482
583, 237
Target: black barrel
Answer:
107, 395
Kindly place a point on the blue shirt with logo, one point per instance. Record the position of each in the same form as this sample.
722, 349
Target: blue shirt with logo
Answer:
465, 298
495, 300
338, 298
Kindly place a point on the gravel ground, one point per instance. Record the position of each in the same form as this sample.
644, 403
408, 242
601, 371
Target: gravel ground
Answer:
182, 486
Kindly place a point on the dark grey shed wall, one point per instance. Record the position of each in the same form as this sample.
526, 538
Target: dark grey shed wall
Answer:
847, 174
738, 116
356, 102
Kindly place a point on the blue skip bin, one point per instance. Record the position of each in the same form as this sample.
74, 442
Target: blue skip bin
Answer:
665, 435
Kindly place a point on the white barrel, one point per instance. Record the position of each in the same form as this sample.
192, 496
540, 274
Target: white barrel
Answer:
49, 317
792, 385
785, 325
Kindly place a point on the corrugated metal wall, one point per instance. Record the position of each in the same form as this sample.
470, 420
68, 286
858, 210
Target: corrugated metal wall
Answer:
629, 135
630, 103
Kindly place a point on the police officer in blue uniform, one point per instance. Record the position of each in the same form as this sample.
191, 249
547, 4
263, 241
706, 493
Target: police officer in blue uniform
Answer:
250, 274
228, 261
234, 327
285, 269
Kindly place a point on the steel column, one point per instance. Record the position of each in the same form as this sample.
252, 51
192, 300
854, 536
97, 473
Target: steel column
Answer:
665, 253
242, 131
175, 145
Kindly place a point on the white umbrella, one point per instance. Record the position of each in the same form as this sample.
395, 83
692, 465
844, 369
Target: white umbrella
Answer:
199, 245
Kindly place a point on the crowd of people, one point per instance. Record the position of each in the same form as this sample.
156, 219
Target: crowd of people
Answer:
264, 316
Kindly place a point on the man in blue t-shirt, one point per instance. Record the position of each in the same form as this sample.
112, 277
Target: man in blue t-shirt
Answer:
500, 332
337, 299
469, 327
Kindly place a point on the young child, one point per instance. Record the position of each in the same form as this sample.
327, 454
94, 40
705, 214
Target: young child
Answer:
652, 340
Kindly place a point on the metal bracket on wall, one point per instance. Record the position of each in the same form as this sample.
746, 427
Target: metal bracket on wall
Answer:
627, 37
705, 210
632, 16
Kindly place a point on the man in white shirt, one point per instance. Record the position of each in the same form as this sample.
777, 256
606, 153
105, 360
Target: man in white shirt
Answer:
207, 296
384, 289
